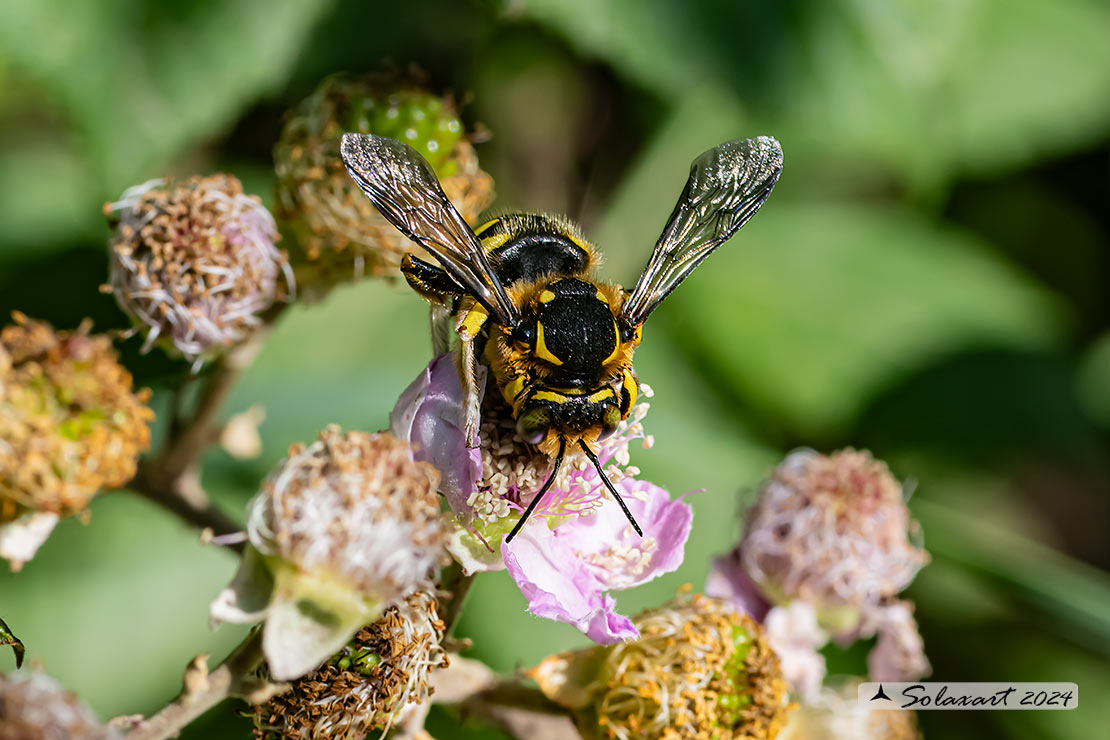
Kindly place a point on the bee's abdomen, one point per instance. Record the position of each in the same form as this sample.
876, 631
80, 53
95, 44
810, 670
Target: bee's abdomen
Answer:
526, 246
536, 255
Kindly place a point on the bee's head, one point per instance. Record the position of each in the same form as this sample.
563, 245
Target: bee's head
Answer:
569, 345
545, 416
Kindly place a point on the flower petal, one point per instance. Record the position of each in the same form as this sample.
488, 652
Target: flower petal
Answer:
309, 620
472, 554
793, 633
558, 586
618, 557
606, 627
20, 539
429, 414
728, 580
565, 573
247, 597
899, 653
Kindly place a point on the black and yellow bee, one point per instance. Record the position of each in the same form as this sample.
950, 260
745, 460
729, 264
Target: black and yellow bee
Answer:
521, 295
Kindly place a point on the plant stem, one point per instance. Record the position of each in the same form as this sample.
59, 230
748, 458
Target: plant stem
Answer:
170, 478
456, 585
200, 513
183, 449
203, 690
520, 710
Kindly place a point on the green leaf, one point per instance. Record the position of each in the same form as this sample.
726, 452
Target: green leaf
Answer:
8, 638
46, 194
816, 307
1094, 380
125, 597
926, 90
642, 38
1075, 596
131, 87
934, 89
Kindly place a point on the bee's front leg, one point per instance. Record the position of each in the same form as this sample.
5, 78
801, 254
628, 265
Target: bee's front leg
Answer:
470, 374
442, 323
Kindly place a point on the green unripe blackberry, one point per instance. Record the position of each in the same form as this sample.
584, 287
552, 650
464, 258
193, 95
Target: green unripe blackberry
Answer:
335, 232
422, 120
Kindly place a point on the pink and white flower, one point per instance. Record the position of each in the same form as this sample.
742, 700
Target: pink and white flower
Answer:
577, 546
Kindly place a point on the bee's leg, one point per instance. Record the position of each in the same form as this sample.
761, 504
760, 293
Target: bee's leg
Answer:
468, 329
468, 376
433, 283
442, 328
436, 287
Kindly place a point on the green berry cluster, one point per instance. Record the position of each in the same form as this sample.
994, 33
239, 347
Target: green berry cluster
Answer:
424, 121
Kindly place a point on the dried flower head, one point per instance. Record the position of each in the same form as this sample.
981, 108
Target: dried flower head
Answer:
70, 425
34, 706
833, 531
337, 231
194, 264
347, 526
699, 670
369, 685
835, 714
355, 505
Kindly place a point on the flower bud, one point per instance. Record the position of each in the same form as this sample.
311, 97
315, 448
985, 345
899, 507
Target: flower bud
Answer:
342, 529
832, 531
338, 233
70, 425
239, 437
699, 670
194, 264
34, 706
369, 685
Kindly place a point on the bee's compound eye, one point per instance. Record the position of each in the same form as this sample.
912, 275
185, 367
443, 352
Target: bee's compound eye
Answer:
532, 426
524, 333
627, 331
610, 420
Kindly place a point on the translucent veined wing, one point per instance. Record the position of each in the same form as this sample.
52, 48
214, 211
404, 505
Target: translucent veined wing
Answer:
727, 185
404, 188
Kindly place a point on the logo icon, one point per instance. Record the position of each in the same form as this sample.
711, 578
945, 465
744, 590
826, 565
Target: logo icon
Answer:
880, 694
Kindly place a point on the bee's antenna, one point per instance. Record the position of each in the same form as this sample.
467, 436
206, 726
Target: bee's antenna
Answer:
609, 485
543, 489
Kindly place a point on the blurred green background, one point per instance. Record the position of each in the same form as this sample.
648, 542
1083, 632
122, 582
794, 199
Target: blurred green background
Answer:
929, 280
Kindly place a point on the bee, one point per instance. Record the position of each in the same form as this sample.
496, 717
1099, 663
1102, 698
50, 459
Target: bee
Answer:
520, 293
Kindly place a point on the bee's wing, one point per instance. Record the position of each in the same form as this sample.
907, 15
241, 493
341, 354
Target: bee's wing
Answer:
404, 188
727, 186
